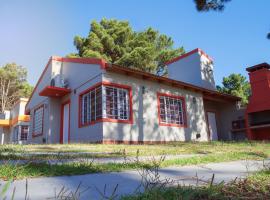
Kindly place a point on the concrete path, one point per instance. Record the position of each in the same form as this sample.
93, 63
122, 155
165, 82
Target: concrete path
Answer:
128, 181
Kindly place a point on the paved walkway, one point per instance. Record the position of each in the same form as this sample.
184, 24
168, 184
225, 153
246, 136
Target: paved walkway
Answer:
128, 181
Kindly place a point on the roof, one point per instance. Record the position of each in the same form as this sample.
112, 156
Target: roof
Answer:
208, 94
198, 50
258, 67
140, 74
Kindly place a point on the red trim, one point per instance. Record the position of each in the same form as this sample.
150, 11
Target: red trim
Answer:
33, 133
105, 83
184, 110
52, 91
201, 52
62, 121
45, 69
97, 61
173, 83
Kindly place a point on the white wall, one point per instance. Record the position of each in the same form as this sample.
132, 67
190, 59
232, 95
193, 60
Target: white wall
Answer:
80, 77
145, 114
194, 69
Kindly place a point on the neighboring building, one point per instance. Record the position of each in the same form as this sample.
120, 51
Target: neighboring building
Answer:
89, 100
14, 124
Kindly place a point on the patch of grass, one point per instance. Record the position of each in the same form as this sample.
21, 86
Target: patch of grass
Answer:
214, 158
173, 148
256, 186
11, 171
59, 156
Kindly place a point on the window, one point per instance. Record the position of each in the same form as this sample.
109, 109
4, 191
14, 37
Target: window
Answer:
171, 110
24, 132
106, 102
91, 106
38, 121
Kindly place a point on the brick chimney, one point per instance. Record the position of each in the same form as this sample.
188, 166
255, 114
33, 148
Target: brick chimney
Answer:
258, 109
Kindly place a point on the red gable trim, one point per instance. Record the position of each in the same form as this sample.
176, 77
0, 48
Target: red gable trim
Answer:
97, 61
201, 52
45, 69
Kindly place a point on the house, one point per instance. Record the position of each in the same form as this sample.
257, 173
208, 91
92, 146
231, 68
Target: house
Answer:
14, 124
90, 100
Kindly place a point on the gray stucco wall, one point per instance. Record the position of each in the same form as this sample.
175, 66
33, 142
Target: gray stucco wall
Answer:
195, 69
80, 78
145, 114
225, 114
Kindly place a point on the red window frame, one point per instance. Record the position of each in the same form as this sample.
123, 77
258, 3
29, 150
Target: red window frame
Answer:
183, 106
33, 133
110, 84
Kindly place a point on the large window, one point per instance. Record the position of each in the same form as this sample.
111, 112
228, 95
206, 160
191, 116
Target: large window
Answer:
106, 102
171, 110
38, 121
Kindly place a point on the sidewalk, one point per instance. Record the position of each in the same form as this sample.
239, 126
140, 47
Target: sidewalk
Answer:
128, 181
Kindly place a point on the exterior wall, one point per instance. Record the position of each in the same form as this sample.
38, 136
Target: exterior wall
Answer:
80, 77
187, 69
44, 138
225, 114
145, 114
54, 120
195, 69
4, 135
45, 81
207, 76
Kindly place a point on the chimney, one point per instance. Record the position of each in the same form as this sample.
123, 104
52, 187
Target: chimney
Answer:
258, 108
194, 67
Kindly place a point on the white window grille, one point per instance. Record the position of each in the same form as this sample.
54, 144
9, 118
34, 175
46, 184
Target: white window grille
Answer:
171, 110
105, 102
38, 121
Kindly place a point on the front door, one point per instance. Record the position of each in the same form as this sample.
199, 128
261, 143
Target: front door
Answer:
212, 126
65, 121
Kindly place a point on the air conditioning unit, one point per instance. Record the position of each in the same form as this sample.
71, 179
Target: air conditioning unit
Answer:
59, 81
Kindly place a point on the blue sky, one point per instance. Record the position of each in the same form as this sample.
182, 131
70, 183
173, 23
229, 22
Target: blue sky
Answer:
33, 30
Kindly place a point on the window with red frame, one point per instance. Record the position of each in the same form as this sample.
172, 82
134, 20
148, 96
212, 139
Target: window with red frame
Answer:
171, 110
38, 121
105, 102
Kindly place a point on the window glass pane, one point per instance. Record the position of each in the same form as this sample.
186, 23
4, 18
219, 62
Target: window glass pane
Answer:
115, 104
98, 103
171, 110
38, 121
24, 132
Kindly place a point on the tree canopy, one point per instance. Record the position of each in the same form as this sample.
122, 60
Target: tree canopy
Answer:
116, 42
206, 5
215, 5
236, 84
13, 85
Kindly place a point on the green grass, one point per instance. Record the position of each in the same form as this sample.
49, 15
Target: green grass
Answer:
173, 148
256, 186
10, 171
